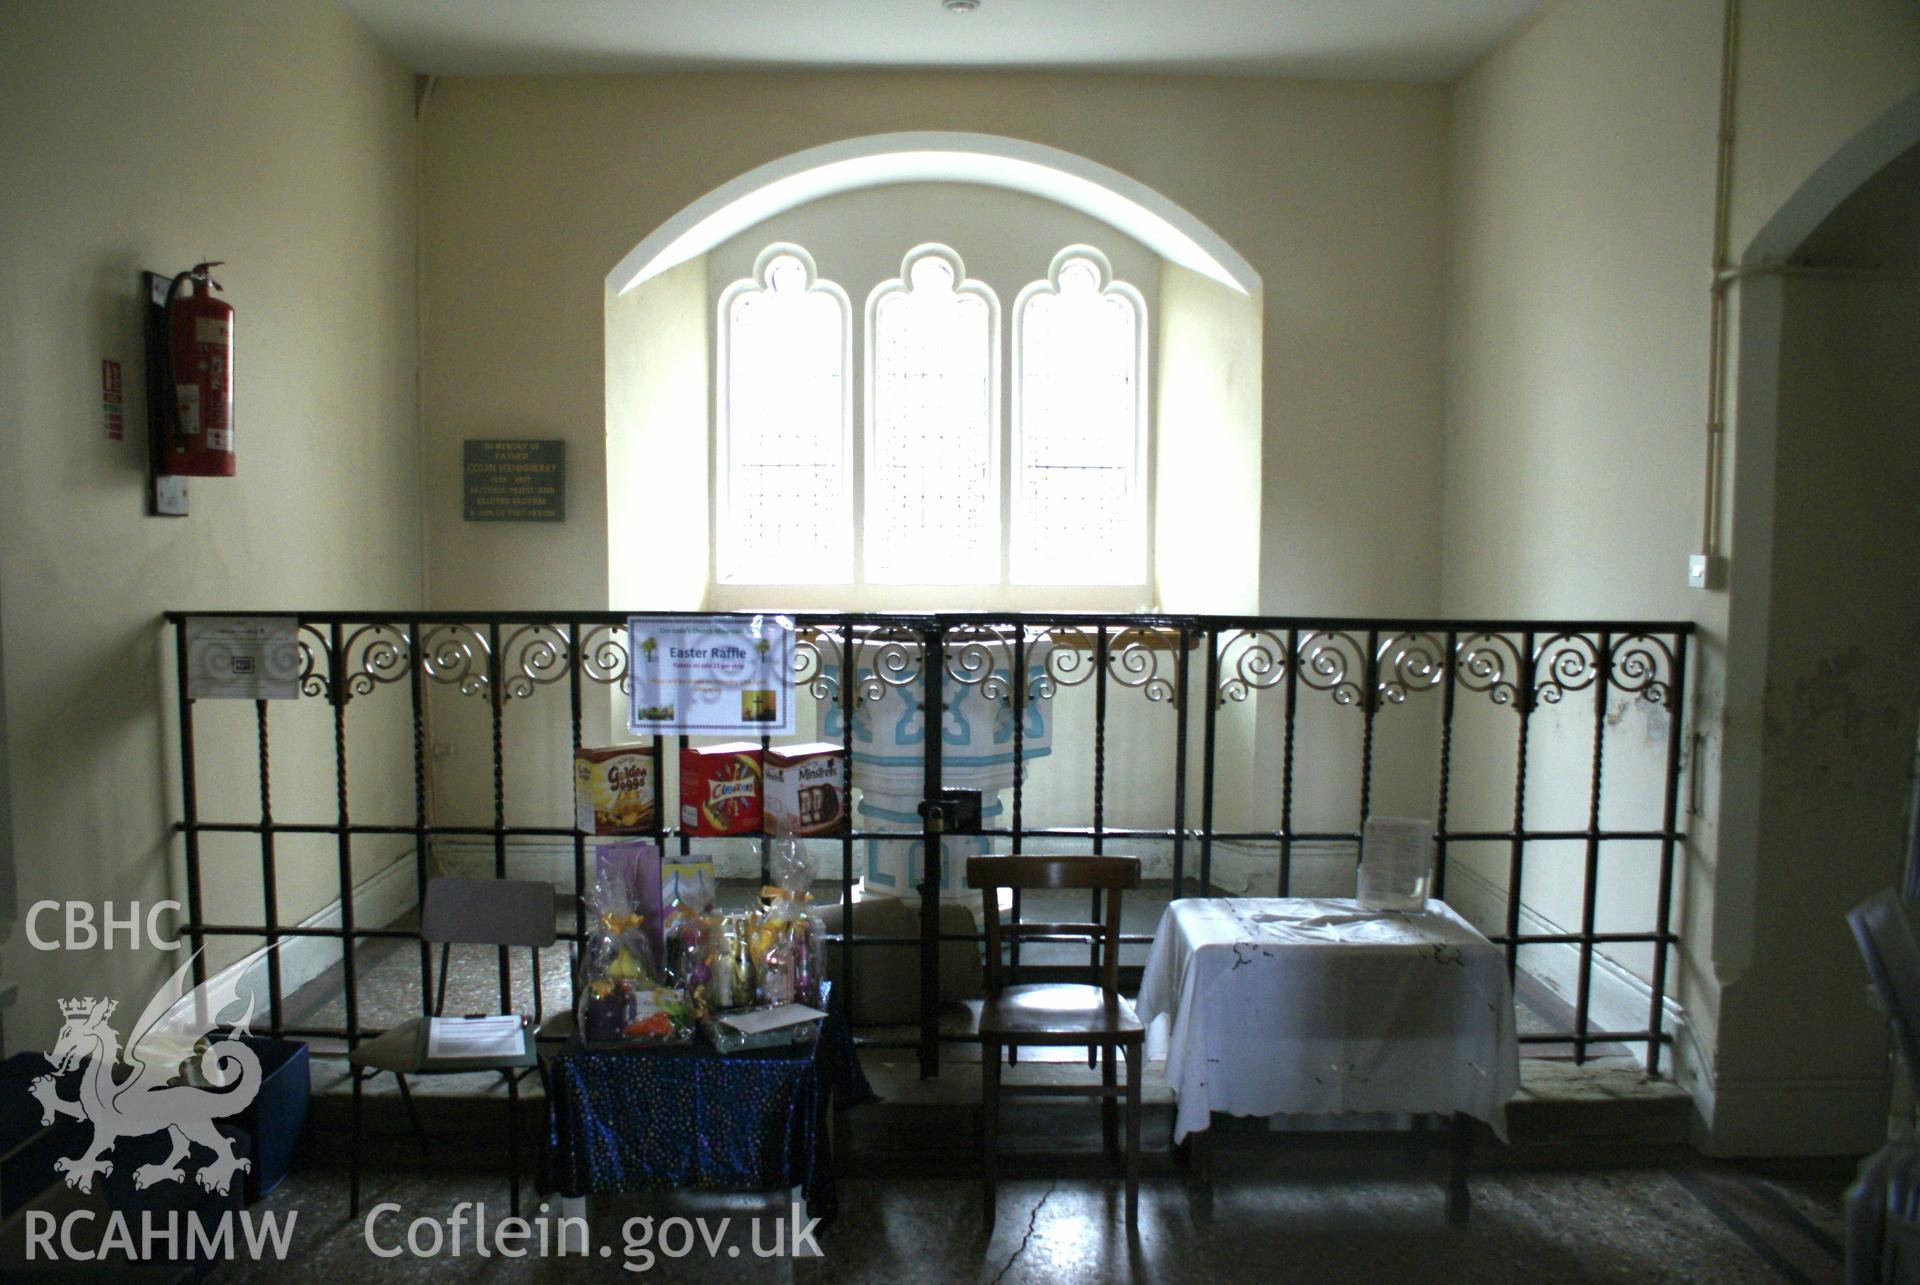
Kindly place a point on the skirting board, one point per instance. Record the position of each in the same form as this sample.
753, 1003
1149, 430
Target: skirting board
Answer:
378, 900
1826, 1117
1618, 1000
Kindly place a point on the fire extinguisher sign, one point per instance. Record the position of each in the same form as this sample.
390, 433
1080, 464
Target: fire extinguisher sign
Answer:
110, 400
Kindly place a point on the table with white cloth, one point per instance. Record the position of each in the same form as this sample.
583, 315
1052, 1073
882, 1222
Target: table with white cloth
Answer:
1315, 1006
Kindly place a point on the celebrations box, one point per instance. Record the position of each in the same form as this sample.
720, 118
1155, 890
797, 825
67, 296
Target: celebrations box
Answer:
806, 789
720, 789
613, 790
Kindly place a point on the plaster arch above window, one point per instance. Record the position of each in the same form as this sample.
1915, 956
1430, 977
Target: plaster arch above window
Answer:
937, 157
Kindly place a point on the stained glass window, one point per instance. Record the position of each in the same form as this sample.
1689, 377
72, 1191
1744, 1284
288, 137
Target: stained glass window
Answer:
1079, 430
785, 512
932, 466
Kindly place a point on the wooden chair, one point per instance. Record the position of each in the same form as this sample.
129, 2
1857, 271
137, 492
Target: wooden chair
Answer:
1095, 1015
483, 912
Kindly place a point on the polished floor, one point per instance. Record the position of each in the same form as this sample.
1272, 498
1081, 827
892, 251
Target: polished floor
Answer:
1338, 1219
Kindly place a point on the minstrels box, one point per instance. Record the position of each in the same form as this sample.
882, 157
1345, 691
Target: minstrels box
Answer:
613, 790
720, 789
806, 789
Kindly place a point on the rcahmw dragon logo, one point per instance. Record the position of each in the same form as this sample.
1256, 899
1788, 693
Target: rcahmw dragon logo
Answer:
147, 1099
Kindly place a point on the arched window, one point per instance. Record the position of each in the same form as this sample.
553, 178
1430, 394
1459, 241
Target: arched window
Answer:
932, 443
783, 412
1079, 427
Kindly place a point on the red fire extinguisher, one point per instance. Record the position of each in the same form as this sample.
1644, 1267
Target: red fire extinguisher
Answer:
199, 440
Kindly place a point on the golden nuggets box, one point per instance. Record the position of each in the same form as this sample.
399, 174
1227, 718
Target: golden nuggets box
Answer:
806, 789
613, 790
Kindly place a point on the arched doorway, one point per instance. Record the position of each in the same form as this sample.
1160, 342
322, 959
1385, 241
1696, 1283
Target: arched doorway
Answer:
1823, 667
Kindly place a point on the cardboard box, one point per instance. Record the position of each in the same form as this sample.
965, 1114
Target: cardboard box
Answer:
720, 789
806, 789
614, 789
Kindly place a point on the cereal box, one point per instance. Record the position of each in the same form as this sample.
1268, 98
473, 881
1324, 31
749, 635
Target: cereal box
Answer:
806, 789
613, 790
720, 789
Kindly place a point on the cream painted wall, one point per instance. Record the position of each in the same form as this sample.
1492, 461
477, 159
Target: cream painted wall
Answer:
274, 135
535, 187
1581, 210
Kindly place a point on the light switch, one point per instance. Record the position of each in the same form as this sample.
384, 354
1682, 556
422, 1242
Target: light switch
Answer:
1705, 571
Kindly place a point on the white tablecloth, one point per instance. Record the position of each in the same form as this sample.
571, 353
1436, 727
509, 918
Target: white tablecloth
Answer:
1315, 1006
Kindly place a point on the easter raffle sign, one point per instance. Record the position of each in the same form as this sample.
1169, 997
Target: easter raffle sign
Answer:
711, 674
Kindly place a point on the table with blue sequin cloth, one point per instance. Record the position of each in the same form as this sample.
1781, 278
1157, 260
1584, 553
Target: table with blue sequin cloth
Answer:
638, 1119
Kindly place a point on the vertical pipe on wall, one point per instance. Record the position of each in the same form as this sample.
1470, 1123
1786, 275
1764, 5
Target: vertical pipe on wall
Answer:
1720, 283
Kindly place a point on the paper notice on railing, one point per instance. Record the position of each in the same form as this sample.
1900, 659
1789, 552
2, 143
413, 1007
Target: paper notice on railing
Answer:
1396, 856
243, 657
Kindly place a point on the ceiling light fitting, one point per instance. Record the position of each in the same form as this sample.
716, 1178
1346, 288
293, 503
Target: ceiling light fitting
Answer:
959, 6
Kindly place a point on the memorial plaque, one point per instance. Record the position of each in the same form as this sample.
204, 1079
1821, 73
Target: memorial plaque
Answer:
516, 481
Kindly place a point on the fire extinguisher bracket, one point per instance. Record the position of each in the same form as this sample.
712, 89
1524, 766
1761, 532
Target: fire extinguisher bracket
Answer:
166, 492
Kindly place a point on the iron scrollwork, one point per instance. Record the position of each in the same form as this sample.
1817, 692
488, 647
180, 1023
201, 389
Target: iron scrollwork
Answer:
892, 656
1327, 661
1565, 663
314, 682
1251, 660
376, 653
531, 657
971, 659
1639, 661
1133, 660
1409, 663
816, 663
604, 658
1489, 664
456, 655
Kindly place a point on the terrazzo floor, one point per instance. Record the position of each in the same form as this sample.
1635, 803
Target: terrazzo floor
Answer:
1320, 1222
1312, 1217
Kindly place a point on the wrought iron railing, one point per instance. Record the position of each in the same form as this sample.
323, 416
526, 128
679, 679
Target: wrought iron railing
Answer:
1319, 701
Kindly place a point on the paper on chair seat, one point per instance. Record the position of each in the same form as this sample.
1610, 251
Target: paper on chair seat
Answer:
772, 1019
475, 1037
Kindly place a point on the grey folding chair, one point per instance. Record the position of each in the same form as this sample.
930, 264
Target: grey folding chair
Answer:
468, 912
1883, 1208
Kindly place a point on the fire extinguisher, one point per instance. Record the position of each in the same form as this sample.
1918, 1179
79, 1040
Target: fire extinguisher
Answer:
199, 439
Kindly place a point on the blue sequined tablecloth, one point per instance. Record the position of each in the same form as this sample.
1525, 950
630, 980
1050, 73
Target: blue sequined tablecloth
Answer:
648, 1118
